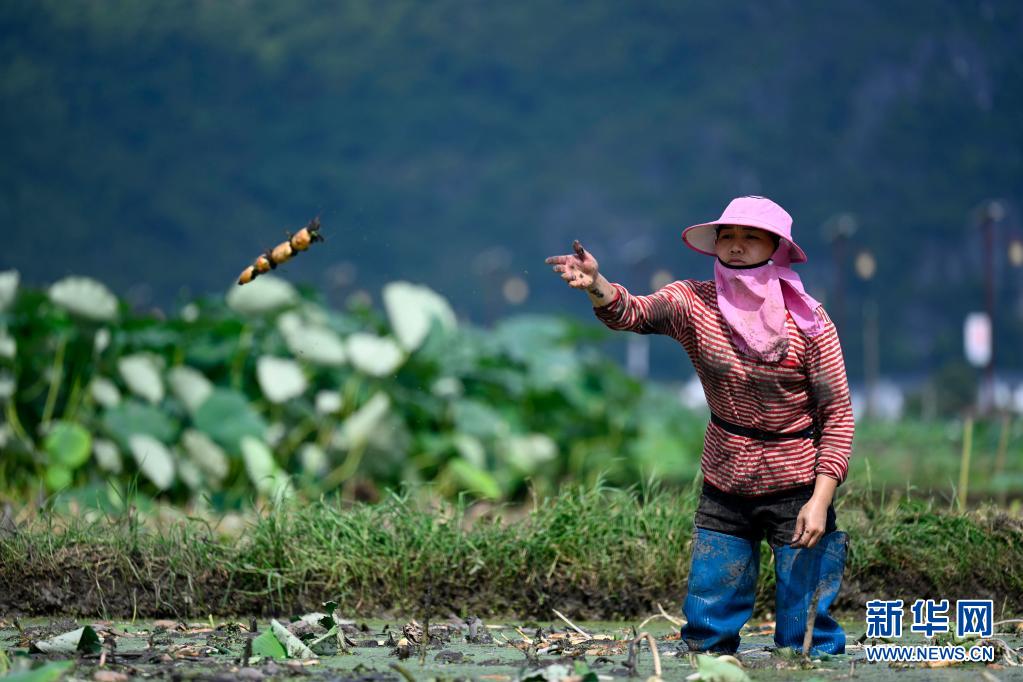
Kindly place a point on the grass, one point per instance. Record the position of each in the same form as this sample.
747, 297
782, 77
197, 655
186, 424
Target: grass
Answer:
591, 553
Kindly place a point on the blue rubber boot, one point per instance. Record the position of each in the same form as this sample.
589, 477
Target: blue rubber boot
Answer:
800, 573
722, 582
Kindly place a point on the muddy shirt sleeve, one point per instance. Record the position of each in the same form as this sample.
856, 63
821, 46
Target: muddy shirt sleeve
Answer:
666, 311
830, 389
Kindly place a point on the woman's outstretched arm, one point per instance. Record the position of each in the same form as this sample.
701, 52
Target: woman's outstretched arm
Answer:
662, 312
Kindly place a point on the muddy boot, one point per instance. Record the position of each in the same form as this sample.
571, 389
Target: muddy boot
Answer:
800, 574
722, 582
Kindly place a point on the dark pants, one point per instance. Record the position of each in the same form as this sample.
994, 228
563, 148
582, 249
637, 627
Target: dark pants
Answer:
772, 516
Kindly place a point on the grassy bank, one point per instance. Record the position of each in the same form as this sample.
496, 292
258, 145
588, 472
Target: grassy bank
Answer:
593, 553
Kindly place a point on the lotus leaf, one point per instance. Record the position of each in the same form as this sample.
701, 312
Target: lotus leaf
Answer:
8, 288
83, 640
377, 356
714, 669
478, 419
314, 459
58, 477
104, 392
8, 346
262, 296
226, 416
132, 417
526, 453
471, 477
206, 454
7, 385
86, 297
293, 645
314, 344
189, 473
44, 673
356, 430
101, 341
108, 456
142, 375
280, 379
263, 471
268, 646
329, 402
412, 309
153, 459
189, 386
67, 444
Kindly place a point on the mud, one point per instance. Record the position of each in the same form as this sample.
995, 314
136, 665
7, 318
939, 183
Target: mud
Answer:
218, 650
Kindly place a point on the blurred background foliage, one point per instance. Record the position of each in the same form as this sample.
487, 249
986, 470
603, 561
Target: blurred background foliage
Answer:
268, 392
157, 146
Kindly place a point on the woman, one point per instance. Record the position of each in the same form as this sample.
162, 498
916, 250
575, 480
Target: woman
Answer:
781, 425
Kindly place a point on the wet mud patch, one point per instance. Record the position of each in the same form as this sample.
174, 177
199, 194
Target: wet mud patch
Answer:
222, 650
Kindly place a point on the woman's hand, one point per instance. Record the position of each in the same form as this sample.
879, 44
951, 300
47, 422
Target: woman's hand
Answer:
810, 523
578, 269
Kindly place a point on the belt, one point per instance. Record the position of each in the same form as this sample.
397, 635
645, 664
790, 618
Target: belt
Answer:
757, 434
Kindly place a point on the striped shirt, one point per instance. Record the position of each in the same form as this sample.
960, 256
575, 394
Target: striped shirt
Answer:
809, 385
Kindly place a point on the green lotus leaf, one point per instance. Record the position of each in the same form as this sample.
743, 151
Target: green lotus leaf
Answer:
525, 453
85, 297
206, 454
104, 392
312, 343
478, 419
83, 640
713, 669
471, 477
377, 356
68, 444
8, 345
314, 459
293, 645
8, 288
471, 449
227, 417
153, 459
132, 417
8, 385
280, 379
262, 295
360, 425
412, 309
189, 386
267, 646
51, 672
107, 455
141, 373
263, 470
329, 402
189, 473
58, 477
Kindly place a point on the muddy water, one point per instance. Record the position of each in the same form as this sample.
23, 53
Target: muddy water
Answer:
213, 651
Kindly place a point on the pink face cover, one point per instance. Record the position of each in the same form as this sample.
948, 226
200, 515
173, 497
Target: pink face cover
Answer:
754, 301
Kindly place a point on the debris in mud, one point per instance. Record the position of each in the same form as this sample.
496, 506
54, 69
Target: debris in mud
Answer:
449, 656
83, 640
478, 632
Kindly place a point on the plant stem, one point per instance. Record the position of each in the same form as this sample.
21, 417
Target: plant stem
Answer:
56, 377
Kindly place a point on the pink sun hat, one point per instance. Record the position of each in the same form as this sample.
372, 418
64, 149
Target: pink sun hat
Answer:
751, 211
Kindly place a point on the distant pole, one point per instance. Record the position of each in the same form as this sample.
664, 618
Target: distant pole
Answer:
964, 463
837, 230
866, 266
992, 214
